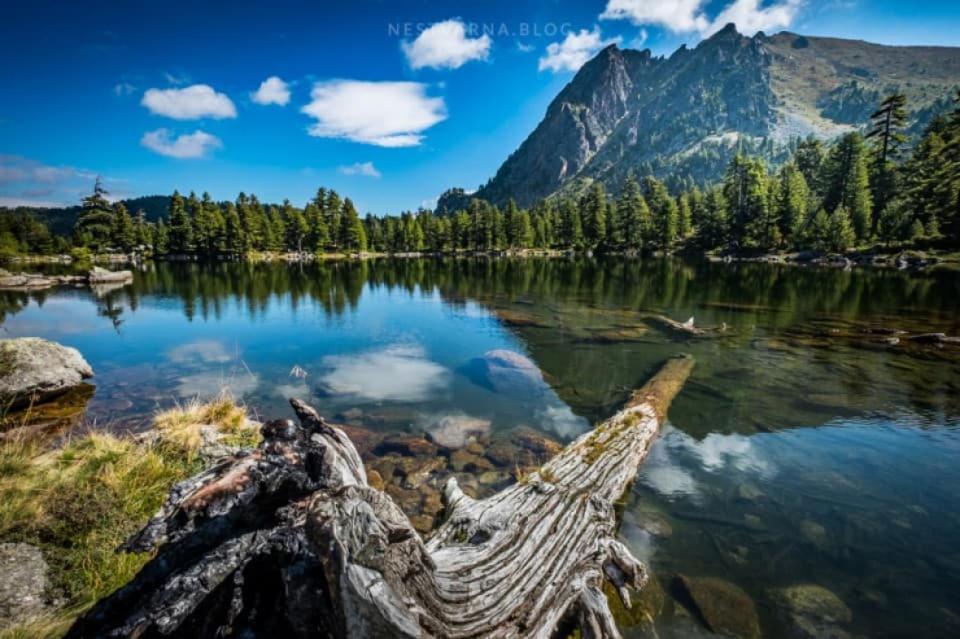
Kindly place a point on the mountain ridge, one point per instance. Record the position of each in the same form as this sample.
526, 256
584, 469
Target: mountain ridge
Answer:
683, 116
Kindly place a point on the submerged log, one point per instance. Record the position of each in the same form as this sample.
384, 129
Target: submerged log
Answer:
685, 328
290, 540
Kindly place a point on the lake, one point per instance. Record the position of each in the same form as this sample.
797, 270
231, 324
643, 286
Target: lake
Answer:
811, 446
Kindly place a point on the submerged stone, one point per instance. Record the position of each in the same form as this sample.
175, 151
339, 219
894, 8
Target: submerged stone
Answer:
813, 612
456, 430
506, 372
724, 607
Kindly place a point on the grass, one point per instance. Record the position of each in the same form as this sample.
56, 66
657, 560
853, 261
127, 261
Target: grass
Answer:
79, 502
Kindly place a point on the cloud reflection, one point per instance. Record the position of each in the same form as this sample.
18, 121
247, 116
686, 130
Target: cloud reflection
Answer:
203, 350
400, 372
675, 458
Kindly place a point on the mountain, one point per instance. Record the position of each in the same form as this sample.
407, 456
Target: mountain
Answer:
684, 116
61, 220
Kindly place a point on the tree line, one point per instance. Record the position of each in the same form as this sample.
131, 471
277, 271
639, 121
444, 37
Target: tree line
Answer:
854, 192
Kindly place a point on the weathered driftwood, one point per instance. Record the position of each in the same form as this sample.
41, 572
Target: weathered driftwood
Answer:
289, 540
685, 328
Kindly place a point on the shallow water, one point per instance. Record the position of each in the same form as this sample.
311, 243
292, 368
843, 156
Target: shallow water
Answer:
804, 449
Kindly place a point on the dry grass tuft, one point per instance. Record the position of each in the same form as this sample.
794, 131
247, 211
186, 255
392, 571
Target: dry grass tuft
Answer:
79, 502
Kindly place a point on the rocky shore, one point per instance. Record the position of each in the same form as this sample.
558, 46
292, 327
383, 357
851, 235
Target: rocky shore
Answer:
26, 282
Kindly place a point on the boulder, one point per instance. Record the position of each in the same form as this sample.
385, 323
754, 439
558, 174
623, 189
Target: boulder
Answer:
456, 430
99, 275
506, 372
724, 607
23, 584
812, 612
35, 370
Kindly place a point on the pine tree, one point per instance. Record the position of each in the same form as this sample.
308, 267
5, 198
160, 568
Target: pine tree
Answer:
685, 216
318, 236
141, 229
234, 240
95, 223
886, 125
296, 229
161, 238
332, 209
663, 209
593, 214
714, 227
847, 184
512, 220
353, 236
842, 232
633, 215
179, 228
571, 229
792, 200
123, 234
747, 194
809, 156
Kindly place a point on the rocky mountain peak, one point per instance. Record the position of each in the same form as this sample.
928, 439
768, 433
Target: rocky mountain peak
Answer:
684, 116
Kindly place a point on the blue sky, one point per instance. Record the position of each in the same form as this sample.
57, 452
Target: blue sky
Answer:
388, 102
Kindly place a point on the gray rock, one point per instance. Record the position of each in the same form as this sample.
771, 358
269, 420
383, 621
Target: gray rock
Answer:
101, 275
455, 430
23, 584
723, 606
34, 369
507, 372
813, 612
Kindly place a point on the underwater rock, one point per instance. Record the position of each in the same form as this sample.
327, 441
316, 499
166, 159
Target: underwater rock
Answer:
36, 370
47, 419
462, 460
416, 470
456, 430
506, 372
23, 584
749, 492
724, 607
645, 606
813, 612
374, 479
655, 523
814, 533
406, 445
522, 446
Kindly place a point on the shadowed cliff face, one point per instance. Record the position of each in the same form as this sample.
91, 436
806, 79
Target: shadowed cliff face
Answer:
684, 116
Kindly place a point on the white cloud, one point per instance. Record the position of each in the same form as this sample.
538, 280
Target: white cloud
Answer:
273, 90
523, 47
360, 168
688, 16
189, 103
123, 88
397, 373
27, 182
575, 50
750, 17
640, 40
390, 114
189, 145
445, 45
176, 79
679, 16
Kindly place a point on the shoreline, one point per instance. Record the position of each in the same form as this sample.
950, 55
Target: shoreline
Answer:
900, 258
